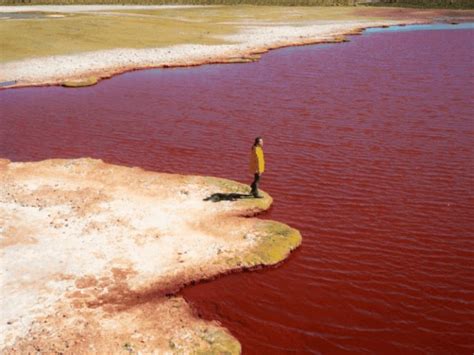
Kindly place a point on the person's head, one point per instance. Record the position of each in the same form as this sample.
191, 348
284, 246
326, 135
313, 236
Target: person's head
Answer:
258, 141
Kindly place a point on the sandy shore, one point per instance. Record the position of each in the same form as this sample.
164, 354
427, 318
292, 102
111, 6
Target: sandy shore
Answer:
246, 43
88, 68
92, 253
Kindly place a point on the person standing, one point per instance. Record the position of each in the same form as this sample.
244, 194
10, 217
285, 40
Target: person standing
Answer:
257, 165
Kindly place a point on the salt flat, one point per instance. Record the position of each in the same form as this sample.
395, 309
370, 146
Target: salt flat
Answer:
79, 45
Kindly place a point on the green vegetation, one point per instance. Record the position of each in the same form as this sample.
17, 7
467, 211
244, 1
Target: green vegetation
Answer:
220, 342
277, 242
250, 205
226, 185
426, 4
186, 2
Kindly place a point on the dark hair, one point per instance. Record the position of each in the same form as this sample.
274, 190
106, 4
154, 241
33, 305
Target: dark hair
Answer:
257, 140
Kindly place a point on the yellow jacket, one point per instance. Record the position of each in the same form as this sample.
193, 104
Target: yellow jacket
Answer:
257, 160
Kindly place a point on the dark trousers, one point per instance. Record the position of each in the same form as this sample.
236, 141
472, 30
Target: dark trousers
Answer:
254, 185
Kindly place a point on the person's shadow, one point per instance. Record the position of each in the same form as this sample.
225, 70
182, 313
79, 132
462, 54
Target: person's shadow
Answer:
217, 197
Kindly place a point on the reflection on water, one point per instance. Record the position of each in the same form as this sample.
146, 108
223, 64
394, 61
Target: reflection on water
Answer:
369, 150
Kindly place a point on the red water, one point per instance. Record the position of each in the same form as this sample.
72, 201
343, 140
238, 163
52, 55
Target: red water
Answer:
369, 149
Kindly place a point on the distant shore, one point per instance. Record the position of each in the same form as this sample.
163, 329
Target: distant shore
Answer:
241, 41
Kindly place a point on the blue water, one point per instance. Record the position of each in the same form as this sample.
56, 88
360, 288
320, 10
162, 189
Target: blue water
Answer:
427, 27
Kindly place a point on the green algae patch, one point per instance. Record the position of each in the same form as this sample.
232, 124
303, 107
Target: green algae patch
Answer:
226, 185
254, 205
273, 240
92, 80
239, 193
275, 244
208, 340
220, 342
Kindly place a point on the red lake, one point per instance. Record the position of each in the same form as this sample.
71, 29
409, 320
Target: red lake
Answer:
370, 154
